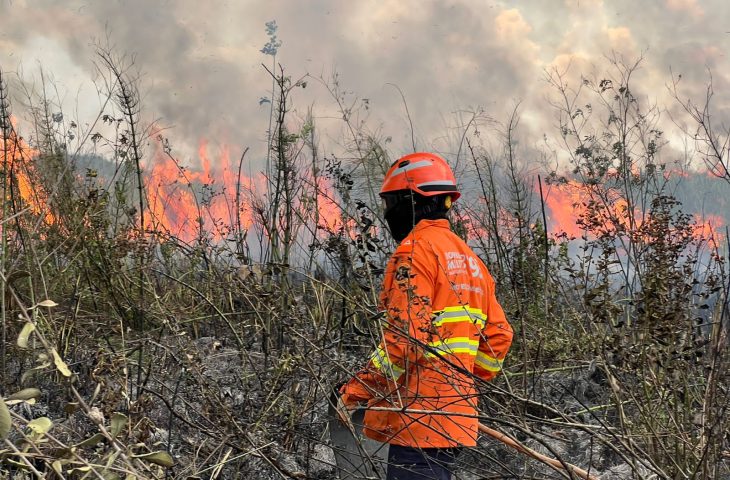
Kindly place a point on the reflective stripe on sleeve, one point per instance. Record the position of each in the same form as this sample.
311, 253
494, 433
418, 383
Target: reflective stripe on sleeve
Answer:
488, 363
460, 313
387, 368
451, 346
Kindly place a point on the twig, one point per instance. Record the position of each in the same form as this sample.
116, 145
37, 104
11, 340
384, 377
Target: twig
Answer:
408, 114
547, 370
511, 442
502, 437
20, 455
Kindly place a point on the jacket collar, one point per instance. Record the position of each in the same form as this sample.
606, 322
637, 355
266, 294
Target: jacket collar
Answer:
422, 225
441, 222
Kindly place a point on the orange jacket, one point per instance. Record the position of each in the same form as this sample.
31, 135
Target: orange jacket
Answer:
442, 326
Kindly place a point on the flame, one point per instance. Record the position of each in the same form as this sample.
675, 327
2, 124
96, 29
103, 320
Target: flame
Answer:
571, 204
565, 202
189, 204
16, 157
709, 227
213, 201
480, 226
476, 222
329, 213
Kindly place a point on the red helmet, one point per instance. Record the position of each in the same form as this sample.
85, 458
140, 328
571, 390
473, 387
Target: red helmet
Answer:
424, 173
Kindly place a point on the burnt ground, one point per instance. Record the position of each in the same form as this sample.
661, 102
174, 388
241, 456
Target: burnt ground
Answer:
219, 411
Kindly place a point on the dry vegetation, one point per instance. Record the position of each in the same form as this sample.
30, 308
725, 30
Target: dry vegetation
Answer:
129, 351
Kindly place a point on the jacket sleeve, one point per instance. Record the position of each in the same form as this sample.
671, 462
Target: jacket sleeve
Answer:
496, 337
406, 308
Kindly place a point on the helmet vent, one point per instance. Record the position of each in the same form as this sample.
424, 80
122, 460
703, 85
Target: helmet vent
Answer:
403, 163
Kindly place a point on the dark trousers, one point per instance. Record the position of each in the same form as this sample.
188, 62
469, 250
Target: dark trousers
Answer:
408, 463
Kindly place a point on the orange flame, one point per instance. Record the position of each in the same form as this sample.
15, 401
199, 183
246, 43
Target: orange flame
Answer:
571, 202
709, 227
329, 213
16, 159
565, 202
189, 204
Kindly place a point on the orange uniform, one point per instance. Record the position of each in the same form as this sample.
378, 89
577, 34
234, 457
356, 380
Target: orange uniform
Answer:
443, 325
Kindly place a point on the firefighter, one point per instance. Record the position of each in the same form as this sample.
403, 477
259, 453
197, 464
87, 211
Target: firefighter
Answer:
442, 329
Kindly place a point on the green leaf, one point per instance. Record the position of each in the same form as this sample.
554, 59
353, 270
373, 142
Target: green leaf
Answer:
10, 403
91, 441
25, 334
40, 425
26, 394
79, 470
158, 458
119, 420
60, 364
5, 422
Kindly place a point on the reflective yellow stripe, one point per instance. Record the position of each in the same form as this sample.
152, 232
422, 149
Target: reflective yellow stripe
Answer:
460, 313
451, 346
387, 368
488, 363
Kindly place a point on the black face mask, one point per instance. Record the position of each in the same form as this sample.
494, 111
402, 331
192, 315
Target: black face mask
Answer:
401, 219
404, 210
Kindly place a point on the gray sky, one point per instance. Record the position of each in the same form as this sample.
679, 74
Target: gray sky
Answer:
202, 73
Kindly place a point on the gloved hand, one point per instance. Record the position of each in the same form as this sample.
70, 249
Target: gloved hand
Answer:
349, 401
354, 392
344, 412
352, 395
